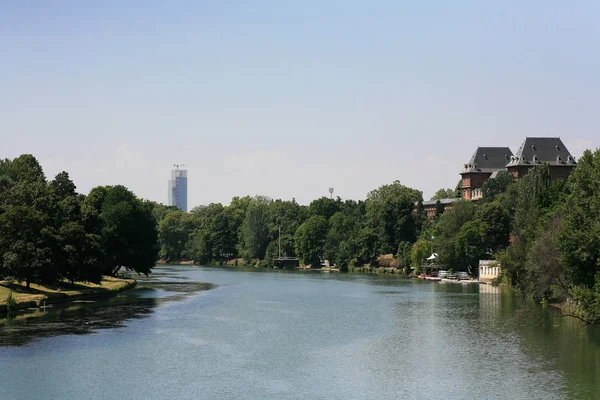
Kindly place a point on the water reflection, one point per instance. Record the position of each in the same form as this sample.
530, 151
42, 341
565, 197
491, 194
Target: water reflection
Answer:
85, 317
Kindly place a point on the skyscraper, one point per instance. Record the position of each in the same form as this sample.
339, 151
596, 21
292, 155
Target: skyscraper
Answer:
178, 189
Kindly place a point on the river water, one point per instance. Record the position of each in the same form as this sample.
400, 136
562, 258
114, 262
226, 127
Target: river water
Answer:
209, 333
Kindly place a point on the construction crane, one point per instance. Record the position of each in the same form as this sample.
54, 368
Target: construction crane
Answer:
179, 165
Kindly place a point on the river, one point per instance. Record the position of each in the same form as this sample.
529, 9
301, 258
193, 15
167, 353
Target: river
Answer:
210, 333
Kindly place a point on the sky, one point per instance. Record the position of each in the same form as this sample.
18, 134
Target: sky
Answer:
289, 98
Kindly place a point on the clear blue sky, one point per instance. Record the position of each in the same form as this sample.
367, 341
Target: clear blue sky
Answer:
287, 99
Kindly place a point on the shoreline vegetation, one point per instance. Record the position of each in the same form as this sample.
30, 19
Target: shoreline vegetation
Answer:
542, 230
42, 295
386, 263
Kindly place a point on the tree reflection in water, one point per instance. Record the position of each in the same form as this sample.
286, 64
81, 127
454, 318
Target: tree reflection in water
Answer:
85, 317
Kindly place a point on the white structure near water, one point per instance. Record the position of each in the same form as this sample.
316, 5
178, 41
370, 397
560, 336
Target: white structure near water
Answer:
488, 270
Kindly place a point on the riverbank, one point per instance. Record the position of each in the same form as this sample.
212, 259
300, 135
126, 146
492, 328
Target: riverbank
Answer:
180, 262
39, 295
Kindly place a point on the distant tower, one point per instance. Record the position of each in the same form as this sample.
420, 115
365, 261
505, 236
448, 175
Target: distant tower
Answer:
178, 188
331, 192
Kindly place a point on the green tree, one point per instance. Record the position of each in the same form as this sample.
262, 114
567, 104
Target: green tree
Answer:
546, 275
404, 256
439, 209
420, 251
447, 228
254, 229
342, 227
389, 212
25, 169
309, 240
444, 194
174, 231
498, 223
127, 228
492, 188
325, 207
365, 246
579, 237
76, 253
26, 253
472, 244
538, 197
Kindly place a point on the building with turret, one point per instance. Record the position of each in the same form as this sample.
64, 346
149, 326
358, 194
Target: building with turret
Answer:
485, 163
538, 150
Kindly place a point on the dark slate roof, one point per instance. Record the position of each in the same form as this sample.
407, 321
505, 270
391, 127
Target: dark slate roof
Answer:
488, 159
442, 201
536, 150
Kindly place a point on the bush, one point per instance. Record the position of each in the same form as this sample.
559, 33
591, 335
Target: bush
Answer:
588, 299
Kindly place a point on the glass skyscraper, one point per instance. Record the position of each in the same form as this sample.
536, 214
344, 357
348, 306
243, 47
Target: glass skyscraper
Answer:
178, 189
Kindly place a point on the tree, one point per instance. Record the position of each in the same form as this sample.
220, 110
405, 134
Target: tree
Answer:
492, 188
325, 207
309, 240
254, 229
284, 216
537, 199
173, 233
26, 254
75, 253
25, 169
365, 246
421, 220
546, 275
471, 245
342, 227
439, 209
404, 256
389, 212
446, 229
126, 226
579, 237
458, 189
420, 250
444, 194
498, 223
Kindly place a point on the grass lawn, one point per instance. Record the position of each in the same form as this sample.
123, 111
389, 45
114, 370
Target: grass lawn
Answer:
61, 291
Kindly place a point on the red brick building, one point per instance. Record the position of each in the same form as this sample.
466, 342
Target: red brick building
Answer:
430, 205
485, 163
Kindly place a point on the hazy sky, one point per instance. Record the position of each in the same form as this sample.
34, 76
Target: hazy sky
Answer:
287, 99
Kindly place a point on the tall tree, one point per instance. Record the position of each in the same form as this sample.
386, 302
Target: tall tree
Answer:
492, 188
447, 228
309, 240
325, 207
579, 237
26, 253
127, 228
254, 229
389, 211
173, 233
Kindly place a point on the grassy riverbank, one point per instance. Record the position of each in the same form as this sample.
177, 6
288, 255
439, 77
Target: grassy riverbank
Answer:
36, 295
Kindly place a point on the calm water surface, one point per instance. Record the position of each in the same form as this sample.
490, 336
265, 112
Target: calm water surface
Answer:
282, 335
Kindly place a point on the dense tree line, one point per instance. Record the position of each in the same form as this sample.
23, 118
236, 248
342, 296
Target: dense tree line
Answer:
347, 233
545, 234
49, 232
